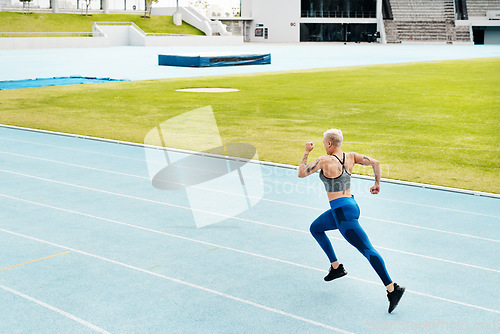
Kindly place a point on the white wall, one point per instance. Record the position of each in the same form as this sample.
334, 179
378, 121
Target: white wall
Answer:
194, 40
281, 17
136, 37
116, 36
14, 43
120, 5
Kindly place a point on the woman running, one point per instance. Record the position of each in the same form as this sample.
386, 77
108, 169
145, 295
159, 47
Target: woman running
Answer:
335, 172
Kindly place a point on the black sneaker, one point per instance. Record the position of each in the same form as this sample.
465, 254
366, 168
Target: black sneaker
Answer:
335, 273
395, 296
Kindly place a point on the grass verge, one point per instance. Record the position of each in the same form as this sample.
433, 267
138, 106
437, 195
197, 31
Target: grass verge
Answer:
51, 22
431, 122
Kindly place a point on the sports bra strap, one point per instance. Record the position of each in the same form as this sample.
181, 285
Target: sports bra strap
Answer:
341, 162
339, 183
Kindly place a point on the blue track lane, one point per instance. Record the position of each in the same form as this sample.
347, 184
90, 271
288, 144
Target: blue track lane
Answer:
118, 255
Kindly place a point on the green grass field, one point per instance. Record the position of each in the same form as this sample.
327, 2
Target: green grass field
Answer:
430, 122
50, 22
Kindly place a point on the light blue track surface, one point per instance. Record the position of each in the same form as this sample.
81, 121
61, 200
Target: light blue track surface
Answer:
140, 63
137, 263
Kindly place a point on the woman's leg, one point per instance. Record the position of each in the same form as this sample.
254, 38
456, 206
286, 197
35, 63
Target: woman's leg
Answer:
346, 215
354, 233
324, 222
347, 222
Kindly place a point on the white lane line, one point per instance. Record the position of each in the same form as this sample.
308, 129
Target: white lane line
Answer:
258, 198
150, 201
243, 252
156, 231
150, 179
432, 229
240, 219
71, 148
236, 250
435, 258
439, 208
55, 309
259, 179
199, 287
448, 300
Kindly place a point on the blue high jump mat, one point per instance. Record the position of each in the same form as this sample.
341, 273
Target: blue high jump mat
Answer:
209, 60
55, 81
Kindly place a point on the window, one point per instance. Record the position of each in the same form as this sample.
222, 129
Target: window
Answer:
337, 32
339, 8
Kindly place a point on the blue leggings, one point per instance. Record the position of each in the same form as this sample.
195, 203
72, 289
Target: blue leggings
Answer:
343, 215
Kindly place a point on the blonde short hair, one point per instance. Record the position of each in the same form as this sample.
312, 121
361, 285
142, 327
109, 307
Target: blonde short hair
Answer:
335, 136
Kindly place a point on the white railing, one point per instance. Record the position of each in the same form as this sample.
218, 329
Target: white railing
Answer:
96, 31
154, 34
45, 34
68, 34
121, 24
138, 29
165, 34
110, 23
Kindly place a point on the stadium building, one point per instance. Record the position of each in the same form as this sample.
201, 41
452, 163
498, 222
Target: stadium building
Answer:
384, 21
292, 21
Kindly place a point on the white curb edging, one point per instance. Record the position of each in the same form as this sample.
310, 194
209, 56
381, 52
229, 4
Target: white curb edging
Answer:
267, 163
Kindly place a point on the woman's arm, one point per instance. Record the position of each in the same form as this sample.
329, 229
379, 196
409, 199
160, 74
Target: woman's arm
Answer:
306, 169
366, 161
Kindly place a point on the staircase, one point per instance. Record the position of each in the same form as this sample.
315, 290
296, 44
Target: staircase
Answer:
478, 8
424, 21
462, 34
425, 10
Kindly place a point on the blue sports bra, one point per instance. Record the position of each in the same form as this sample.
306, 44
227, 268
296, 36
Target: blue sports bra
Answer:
339, 183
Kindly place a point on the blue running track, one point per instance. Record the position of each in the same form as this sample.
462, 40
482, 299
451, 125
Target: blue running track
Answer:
88, 245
